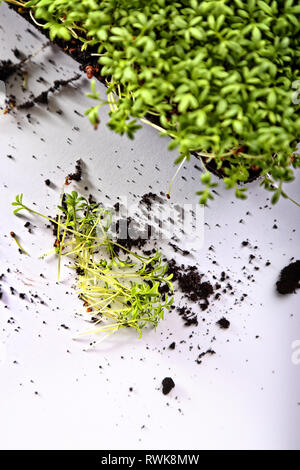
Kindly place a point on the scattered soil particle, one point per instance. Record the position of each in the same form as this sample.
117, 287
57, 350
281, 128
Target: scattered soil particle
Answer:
190, 282
172, 345
80, 271
130, 236
8, 68
47, 182
204, 306
289, 279
179, 250
167, 385
42, 98
76, 176
91, 199
211, 352
223, 323
53, 225
149, 198
189, 317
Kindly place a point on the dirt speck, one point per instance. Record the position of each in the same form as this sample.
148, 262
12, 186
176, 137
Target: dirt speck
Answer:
167, 385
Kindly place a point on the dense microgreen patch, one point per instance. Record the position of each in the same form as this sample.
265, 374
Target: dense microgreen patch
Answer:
115, 284
218, 76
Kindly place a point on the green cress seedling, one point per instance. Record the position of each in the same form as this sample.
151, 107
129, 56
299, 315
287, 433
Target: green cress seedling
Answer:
114, 283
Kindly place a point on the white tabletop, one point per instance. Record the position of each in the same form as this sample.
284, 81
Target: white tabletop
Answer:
53, 393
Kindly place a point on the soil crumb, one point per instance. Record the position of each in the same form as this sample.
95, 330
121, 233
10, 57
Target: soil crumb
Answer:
76, 176
210, 352
42, 98
223, 323
167, 385
190, 282
289, 279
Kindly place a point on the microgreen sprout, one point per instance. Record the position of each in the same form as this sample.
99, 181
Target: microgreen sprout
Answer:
119, 288
14, 236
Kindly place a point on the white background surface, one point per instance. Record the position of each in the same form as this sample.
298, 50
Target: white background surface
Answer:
245, 396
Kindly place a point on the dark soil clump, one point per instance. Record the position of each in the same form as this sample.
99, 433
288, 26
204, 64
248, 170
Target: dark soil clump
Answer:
80, 271
192, 286
76, 176
223, 323
188, 316
130, 236
190, 282
7, 68
289, 279
211, 352
167, 385
149, 198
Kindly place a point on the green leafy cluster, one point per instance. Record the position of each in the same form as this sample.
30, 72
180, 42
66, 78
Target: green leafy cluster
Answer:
115, 284
219, 76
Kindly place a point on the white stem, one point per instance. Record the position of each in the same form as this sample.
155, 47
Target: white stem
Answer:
175, 174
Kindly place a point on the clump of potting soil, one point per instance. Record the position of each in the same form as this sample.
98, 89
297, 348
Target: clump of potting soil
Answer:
7, 68
188, 315
223, 323
210, 352
149, 198
289, 279
167, 385
76, 176
190, 282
